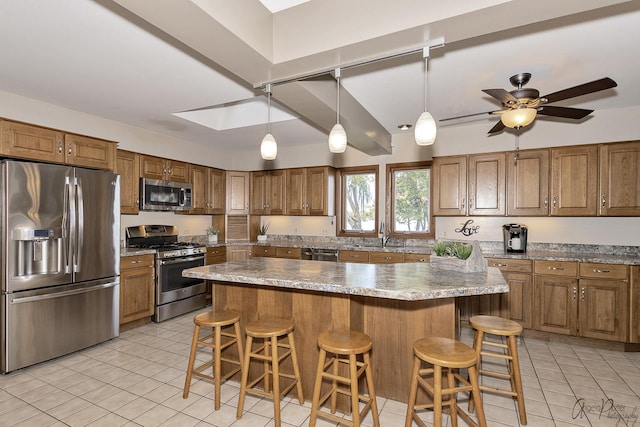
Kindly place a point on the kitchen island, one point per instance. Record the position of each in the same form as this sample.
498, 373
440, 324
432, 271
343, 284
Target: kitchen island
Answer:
394, 304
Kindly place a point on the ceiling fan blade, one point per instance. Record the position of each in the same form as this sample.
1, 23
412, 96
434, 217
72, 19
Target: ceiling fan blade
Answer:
501, 95
498, 127
583, 89
469, 115
567, 112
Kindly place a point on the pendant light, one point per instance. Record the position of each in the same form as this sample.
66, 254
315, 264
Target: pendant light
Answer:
425, 131
337, 136
269, 147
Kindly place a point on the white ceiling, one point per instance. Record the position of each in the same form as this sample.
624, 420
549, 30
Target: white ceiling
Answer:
141, 62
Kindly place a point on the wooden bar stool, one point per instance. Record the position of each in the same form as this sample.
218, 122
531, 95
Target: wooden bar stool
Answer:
448, 355
218, 341
270, 331
344, 346
504, 328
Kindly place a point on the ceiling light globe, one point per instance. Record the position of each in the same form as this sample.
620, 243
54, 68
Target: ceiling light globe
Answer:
268, 147
426, 130
519, 117
337, 139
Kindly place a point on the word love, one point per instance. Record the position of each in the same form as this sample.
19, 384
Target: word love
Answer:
467, 229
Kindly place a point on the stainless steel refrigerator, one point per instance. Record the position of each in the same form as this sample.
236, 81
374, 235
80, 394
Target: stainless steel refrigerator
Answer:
60, 260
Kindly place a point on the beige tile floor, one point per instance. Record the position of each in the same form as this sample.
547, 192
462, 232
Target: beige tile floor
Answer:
137, 380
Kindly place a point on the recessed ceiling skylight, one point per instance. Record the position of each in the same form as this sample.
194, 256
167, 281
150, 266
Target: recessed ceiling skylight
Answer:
249, 112
275, 6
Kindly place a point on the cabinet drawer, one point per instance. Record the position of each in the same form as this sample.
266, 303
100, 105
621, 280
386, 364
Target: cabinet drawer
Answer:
511, 265
556, 268
604, 271
417, 257
216, 255
385, 257
353, 256
136, 261
269, 251
290, 253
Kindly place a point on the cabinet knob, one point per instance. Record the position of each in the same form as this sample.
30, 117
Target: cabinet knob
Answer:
555, 201
497, 264
597, 270
556, 268
582, 292
575, 293
546, 201
69, 150
604, 201
59, 147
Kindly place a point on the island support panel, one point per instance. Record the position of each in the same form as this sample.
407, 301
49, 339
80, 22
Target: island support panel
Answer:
393, 326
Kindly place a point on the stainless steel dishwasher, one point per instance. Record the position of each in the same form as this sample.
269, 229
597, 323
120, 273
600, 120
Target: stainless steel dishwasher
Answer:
324, 255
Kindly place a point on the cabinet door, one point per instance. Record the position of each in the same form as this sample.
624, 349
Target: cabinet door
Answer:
238, 253
519, 299
556, 305
353, 256
200, 189
296, 179
603, 309
450, 185
128, 166
259, 189
486, 188
288, 253
237, 193
413, 257
377, 257
136, 287
528, 183
574, 181
152, 167
177, 171
217, 191
89, 152
318, 191
31, 142
620, 179
263, 251
277, 192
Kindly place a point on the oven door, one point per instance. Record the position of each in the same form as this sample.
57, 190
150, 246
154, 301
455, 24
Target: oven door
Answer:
171, 285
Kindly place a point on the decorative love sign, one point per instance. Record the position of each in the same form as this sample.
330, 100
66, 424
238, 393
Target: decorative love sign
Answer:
467, 229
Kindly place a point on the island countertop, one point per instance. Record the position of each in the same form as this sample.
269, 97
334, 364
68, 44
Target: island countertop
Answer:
404, 281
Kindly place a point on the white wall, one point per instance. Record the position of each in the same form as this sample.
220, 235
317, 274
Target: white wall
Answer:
603, 126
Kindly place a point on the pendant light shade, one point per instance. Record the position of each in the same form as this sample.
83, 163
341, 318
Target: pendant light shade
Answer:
519, 117
268, 147
337, 136
426, 130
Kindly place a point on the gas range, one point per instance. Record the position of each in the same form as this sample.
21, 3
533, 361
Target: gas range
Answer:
162, 238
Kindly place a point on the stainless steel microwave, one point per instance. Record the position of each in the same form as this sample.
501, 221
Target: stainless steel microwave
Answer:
159, 195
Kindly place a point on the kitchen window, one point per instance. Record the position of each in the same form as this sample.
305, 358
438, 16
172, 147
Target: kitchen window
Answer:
409, 200
357, 201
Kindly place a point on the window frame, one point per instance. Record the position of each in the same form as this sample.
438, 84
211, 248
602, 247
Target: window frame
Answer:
390, 201
340, 205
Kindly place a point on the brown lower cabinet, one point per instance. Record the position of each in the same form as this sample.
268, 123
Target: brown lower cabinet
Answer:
214, 255
136, 287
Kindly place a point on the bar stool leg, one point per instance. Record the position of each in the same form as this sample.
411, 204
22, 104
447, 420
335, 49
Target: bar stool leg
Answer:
296, 368
353, 377
437, 395
370, 389
316, 388
516, 379
475, 393
477, 346
334, 384
413, 392
453, 407
245, 376
192, 358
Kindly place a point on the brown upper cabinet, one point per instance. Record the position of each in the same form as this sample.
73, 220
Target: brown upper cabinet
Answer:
310, 191
128, 166
209, 192
469, 185
237, 193
164, 169
574, 180
31, 142
620, 179
528, 182
268, 192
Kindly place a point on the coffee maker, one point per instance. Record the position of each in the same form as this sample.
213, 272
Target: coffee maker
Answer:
515, 238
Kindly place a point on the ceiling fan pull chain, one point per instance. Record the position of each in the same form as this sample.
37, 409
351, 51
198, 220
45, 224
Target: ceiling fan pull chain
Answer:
517, 152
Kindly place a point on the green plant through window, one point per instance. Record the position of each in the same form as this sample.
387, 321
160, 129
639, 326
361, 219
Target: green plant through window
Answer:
411, 200
360, 202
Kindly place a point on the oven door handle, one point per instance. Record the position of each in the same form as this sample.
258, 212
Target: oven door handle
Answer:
180, 260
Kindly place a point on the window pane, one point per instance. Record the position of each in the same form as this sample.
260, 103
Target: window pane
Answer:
411, 200
360, 202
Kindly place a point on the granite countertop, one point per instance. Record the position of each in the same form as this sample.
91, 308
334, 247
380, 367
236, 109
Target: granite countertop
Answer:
124, 252
410, 281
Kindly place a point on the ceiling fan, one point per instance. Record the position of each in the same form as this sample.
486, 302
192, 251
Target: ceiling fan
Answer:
520, 106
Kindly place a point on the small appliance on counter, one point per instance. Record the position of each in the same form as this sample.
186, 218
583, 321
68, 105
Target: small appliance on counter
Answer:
515, 238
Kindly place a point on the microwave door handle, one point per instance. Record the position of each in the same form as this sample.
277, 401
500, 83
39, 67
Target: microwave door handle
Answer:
80, 232
183, 196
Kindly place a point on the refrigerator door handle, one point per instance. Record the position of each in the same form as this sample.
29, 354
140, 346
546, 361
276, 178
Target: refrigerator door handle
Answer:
20, 300
80, 236
68, 218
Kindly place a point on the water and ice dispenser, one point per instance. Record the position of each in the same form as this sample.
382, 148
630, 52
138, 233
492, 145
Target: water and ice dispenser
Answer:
39, 251
515, 238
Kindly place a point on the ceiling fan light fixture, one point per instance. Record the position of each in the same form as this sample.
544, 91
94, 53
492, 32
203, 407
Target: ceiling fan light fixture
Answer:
518, 117
426, 130
268, 147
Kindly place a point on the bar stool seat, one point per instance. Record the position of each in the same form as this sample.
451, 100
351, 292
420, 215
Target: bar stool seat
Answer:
271, 332
218, 341
344, 347
448, 355
501, 327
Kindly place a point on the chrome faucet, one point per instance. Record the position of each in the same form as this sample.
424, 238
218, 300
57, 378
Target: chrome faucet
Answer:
384, 239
